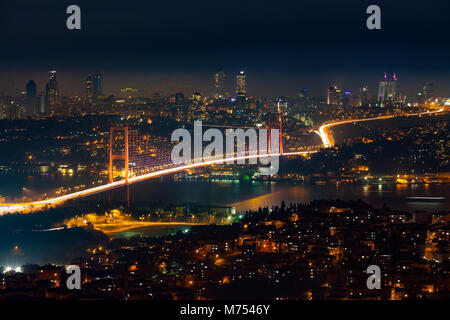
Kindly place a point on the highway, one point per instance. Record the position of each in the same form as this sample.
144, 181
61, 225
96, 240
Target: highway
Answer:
324, 133
327, 138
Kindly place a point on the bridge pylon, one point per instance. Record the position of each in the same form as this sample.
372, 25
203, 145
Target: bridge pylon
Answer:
124, 156
281, 132
269, 129
280, 120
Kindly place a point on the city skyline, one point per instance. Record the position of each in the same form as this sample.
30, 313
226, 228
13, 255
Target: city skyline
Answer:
188, 84
282, 48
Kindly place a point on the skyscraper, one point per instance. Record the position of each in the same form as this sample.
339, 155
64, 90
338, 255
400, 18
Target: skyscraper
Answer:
89, 89
382, 90
363, 96
42, 102
241, 86
427, 91
388, 90
52, 92
30, 102
347, 99
334, 96
97, 86
219, 79
392, 92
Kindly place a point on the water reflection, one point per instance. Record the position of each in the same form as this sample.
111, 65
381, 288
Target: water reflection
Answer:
393, 195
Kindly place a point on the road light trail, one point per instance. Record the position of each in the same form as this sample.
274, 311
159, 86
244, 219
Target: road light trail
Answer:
327, 138
115, 228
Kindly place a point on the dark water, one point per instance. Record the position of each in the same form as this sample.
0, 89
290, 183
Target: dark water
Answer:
242, 195
12, 185
393, 195
251, 195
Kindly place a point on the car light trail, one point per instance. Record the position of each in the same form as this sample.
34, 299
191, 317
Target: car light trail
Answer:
327, 138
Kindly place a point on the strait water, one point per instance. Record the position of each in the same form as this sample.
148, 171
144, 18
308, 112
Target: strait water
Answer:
242, 195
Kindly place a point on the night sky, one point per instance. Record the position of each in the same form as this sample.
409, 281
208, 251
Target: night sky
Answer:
178, 45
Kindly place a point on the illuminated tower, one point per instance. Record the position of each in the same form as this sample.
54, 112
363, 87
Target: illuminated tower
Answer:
427, 92
52, 92
241, 86
364, 96
124, 156
269, 129
89, 89
219, 79
388, 90
280, 120
97, 86
382, 90
113, 156
333, 96
392, 94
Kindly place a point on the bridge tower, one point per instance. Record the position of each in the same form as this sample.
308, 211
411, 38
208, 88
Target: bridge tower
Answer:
280, 120
124, 156
269, 128
281, 132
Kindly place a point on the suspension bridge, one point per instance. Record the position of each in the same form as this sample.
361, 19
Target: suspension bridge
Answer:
323, 131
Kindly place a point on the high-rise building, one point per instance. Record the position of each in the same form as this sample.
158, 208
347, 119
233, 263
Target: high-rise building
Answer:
347, 99
392, 92
241, 86
363, 96
382, 89
219, 84
97, 86
52, 92
30, 99
89, 89
42, 103
388, 90
334, 96
427, 91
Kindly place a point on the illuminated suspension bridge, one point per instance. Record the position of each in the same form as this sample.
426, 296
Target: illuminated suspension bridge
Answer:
164, 168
